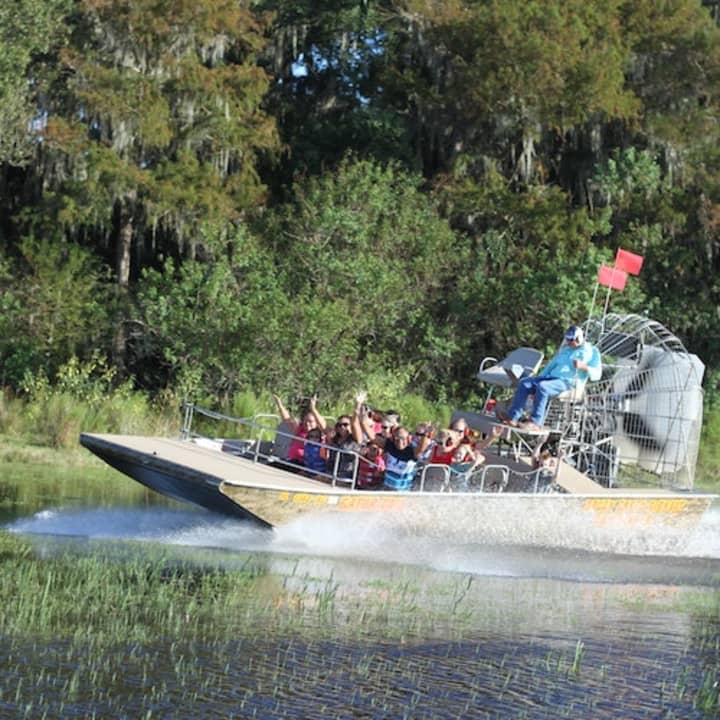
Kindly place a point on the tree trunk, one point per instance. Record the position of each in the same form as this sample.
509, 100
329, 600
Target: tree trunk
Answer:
124, 247
126, 231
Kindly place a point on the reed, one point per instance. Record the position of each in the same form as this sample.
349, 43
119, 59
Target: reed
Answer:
149, 594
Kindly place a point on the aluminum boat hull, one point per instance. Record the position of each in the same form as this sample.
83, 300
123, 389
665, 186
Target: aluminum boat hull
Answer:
273, 497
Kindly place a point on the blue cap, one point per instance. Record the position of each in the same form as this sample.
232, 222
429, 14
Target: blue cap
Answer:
574, 332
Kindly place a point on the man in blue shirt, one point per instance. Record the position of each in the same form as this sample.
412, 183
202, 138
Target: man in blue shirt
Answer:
573, 365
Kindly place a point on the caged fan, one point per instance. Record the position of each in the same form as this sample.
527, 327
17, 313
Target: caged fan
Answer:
641, 422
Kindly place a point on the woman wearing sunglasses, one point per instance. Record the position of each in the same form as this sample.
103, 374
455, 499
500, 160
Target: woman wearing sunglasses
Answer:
344, 448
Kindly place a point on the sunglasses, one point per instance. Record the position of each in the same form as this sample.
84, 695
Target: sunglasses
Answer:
386, 427
419, 434
342, 424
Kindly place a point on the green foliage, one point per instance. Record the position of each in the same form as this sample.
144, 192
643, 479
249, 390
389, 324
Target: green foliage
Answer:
204, 328
549, 134
531, 269
58, 305
82, 396
371, 262
28, 28
629, 177
568, 58
677, 232
708, 469
155, 119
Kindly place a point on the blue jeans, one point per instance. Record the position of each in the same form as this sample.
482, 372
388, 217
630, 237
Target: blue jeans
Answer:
543, 389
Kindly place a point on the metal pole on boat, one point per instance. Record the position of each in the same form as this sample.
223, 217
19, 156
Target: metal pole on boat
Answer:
592, 304
187, 420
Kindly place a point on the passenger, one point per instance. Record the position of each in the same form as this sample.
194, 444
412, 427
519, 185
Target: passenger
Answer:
315, 453
389, 420
400, 458
471, 440
371, 468
311, 419
464, 461
422, 430
344, 449
464, 455
446, 444
461, 427
372, 463
575, 362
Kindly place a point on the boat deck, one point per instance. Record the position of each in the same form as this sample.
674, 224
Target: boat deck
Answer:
205, 458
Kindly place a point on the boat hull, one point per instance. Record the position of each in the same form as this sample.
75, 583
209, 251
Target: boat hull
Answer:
618, 523
172, 479
613, 521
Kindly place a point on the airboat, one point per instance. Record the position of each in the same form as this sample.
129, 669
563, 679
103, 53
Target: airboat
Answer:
624, 449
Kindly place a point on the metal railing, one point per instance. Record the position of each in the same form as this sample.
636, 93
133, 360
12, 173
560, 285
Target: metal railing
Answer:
260, 441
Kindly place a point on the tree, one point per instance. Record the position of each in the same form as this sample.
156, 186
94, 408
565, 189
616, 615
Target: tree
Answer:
154, 123
505, 78
372, 266
28, 28
212, 328
54, 306
326, 57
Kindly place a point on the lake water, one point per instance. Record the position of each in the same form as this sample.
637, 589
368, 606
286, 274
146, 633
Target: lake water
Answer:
450, 631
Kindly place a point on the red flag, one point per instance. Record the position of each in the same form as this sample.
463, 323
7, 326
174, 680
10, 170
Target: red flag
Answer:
629, 262
612, 277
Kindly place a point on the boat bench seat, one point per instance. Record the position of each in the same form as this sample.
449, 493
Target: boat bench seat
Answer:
520, 363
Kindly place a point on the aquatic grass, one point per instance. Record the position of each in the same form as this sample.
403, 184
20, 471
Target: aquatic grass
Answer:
132, 598
137, 631
577, 660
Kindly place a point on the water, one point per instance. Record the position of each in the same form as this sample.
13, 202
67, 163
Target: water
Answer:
412, 628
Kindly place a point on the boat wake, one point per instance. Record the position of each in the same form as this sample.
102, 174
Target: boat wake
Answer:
526, 526
695, 562
197, 528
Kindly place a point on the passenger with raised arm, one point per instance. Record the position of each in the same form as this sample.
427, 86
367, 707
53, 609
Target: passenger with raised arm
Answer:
465, 459
372, 462
575, 362
311, 419
401, 458
446, 443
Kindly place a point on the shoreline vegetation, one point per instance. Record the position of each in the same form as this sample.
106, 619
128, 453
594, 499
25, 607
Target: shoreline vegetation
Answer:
401, 191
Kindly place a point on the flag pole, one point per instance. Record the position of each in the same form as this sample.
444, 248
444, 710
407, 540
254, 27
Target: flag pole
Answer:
605, 309
611, 284
592, 304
